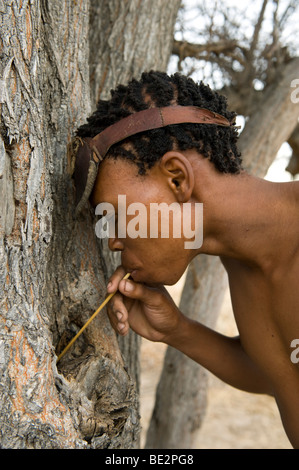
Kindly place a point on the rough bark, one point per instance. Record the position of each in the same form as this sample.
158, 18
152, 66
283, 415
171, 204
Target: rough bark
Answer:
51, 272
181, 394
43, 89
146, 27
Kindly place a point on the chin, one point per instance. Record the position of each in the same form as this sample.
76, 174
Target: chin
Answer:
171, 282
141, 276
137, 276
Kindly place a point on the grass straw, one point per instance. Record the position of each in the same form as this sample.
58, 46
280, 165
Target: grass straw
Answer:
88, 322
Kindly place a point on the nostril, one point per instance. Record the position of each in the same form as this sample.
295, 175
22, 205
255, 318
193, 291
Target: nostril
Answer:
115, 244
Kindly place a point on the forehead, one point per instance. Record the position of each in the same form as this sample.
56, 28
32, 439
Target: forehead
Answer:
117, 176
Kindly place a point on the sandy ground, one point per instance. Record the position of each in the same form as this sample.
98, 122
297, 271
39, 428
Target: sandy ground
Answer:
234, 419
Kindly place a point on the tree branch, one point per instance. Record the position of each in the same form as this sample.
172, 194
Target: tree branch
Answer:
185, 49
257, 28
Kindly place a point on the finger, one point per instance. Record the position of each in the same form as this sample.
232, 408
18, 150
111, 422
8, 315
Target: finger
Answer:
115, 279
141, 292
118, 307
123, 328
118, 314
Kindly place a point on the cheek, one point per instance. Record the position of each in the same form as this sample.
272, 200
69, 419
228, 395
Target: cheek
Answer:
164, 254
161, 260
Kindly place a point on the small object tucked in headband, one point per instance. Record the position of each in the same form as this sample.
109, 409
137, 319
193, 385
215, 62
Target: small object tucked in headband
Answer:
88, 152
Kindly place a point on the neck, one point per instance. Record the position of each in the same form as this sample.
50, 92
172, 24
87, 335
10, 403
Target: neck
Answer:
245, 217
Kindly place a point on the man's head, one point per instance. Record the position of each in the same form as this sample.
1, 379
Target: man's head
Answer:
157, 89
159, 166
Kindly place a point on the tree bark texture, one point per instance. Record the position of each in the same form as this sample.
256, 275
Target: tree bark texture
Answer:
181, 394
52, 273
147, 27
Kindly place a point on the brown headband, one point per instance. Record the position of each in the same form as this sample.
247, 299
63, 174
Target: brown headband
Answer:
89, 152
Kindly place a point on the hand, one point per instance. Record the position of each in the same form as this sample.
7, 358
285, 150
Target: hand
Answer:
149, 311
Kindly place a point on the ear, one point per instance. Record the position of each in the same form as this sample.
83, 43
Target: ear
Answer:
179, 173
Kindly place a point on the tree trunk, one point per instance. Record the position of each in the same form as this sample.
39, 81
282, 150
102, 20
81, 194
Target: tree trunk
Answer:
128, 38
272, 122
51, 271
181, 394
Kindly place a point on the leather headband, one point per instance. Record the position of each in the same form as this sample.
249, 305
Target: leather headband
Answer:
87, 153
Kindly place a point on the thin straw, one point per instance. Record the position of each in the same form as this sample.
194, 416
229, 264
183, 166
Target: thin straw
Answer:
88, 322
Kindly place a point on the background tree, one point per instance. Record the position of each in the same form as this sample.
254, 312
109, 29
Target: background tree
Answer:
57, 58
250, 56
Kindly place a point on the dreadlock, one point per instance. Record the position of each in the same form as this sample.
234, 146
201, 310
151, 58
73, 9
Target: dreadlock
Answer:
157, 89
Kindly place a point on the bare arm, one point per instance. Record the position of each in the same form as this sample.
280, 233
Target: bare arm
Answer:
221, 355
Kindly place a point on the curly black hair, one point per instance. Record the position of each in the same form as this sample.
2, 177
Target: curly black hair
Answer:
157, 89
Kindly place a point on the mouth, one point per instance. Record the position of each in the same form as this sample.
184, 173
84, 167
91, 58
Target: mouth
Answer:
142, 277
134, 274
130, 268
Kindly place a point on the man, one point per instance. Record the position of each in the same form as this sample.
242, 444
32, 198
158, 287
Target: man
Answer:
250, 223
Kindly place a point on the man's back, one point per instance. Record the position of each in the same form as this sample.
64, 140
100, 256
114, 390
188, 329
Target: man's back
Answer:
265, 300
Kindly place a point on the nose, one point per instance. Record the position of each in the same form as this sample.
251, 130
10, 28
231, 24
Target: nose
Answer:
115, 244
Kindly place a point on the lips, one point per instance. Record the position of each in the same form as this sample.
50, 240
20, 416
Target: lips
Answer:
134, 273
128, 267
